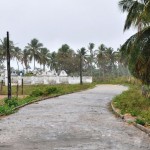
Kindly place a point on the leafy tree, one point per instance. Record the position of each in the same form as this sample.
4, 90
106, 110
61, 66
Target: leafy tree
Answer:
65, 58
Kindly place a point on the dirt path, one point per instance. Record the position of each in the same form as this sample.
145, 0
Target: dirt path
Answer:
80, 121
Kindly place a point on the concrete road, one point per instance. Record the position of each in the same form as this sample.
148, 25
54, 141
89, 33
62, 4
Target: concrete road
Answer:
79, 121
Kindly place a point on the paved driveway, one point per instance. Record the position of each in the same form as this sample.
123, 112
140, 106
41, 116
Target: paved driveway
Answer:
79, 121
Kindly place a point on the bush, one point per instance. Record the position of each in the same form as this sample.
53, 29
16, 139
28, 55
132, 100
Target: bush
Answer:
5, 110
36, 93
140, 121
51, 90
11, 102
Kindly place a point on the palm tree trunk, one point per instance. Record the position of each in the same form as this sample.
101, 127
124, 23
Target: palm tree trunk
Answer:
18, 66
43, 67
34, 63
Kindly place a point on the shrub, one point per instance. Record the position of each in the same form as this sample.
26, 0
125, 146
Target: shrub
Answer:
11, 102
5, 110
36, 93
140, 121
51, 90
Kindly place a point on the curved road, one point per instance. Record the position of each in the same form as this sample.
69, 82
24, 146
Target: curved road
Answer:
79, 121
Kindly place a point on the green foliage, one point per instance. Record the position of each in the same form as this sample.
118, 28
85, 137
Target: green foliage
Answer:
5, 110
36, 93
29, 74
133, 102
51, 90
140, 121
136, 48
11, 102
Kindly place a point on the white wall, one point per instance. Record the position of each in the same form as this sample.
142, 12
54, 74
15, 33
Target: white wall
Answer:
33, 80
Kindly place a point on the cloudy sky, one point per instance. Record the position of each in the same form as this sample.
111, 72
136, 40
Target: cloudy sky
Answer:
55, 22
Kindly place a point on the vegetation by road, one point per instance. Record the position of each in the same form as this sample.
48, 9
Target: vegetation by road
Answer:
132, 102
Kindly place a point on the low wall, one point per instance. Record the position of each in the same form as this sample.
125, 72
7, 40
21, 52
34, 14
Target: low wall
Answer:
35, 80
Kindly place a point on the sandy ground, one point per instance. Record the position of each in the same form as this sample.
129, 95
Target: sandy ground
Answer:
79, 121
2, 96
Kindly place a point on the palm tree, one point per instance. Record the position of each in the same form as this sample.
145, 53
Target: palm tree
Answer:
81, 53
3, 48
53, 62
44, 57
64, 57
111, 56
136, 48
34, 46
25, 58
90, 48
17, 55
101, 58
135, 10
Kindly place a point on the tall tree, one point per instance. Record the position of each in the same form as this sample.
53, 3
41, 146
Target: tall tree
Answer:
136, 48
44, 57
26, 59
17, 55
134, 10
34, 46
82, 53
91, 50
52, 62
65, 57
101, 59
3, 48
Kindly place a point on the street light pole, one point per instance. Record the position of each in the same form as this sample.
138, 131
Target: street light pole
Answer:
81, 69
8, 67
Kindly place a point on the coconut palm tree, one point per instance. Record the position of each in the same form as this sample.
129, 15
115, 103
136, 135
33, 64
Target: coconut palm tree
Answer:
134, 10
90, 48
82, 53
34, 46
64, 57
136, 48
26, 58
53, 62
44, 57
17, 55
101, 59
3, 48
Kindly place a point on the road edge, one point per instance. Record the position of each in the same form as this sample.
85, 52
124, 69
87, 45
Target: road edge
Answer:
142, 128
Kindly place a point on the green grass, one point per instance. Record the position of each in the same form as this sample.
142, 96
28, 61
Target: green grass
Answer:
133, 102
28, 89
124, 80
38, 92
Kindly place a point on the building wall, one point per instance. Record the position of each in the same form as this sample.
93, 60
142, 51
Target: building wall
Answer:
35, 80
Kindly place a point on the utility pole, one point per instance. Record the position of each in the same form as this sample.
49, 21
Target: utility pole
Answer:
81, 69
8, 67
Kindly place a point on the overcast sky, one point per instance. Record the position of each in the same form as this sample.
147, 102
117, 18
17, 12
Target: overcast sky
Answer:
55, 22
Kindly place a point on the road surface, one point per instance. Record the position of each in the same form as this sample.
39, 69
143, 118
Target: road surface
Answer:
79, 121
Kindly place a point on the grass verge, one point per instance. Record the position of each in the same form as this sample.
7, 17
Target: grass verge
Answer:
132, 102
